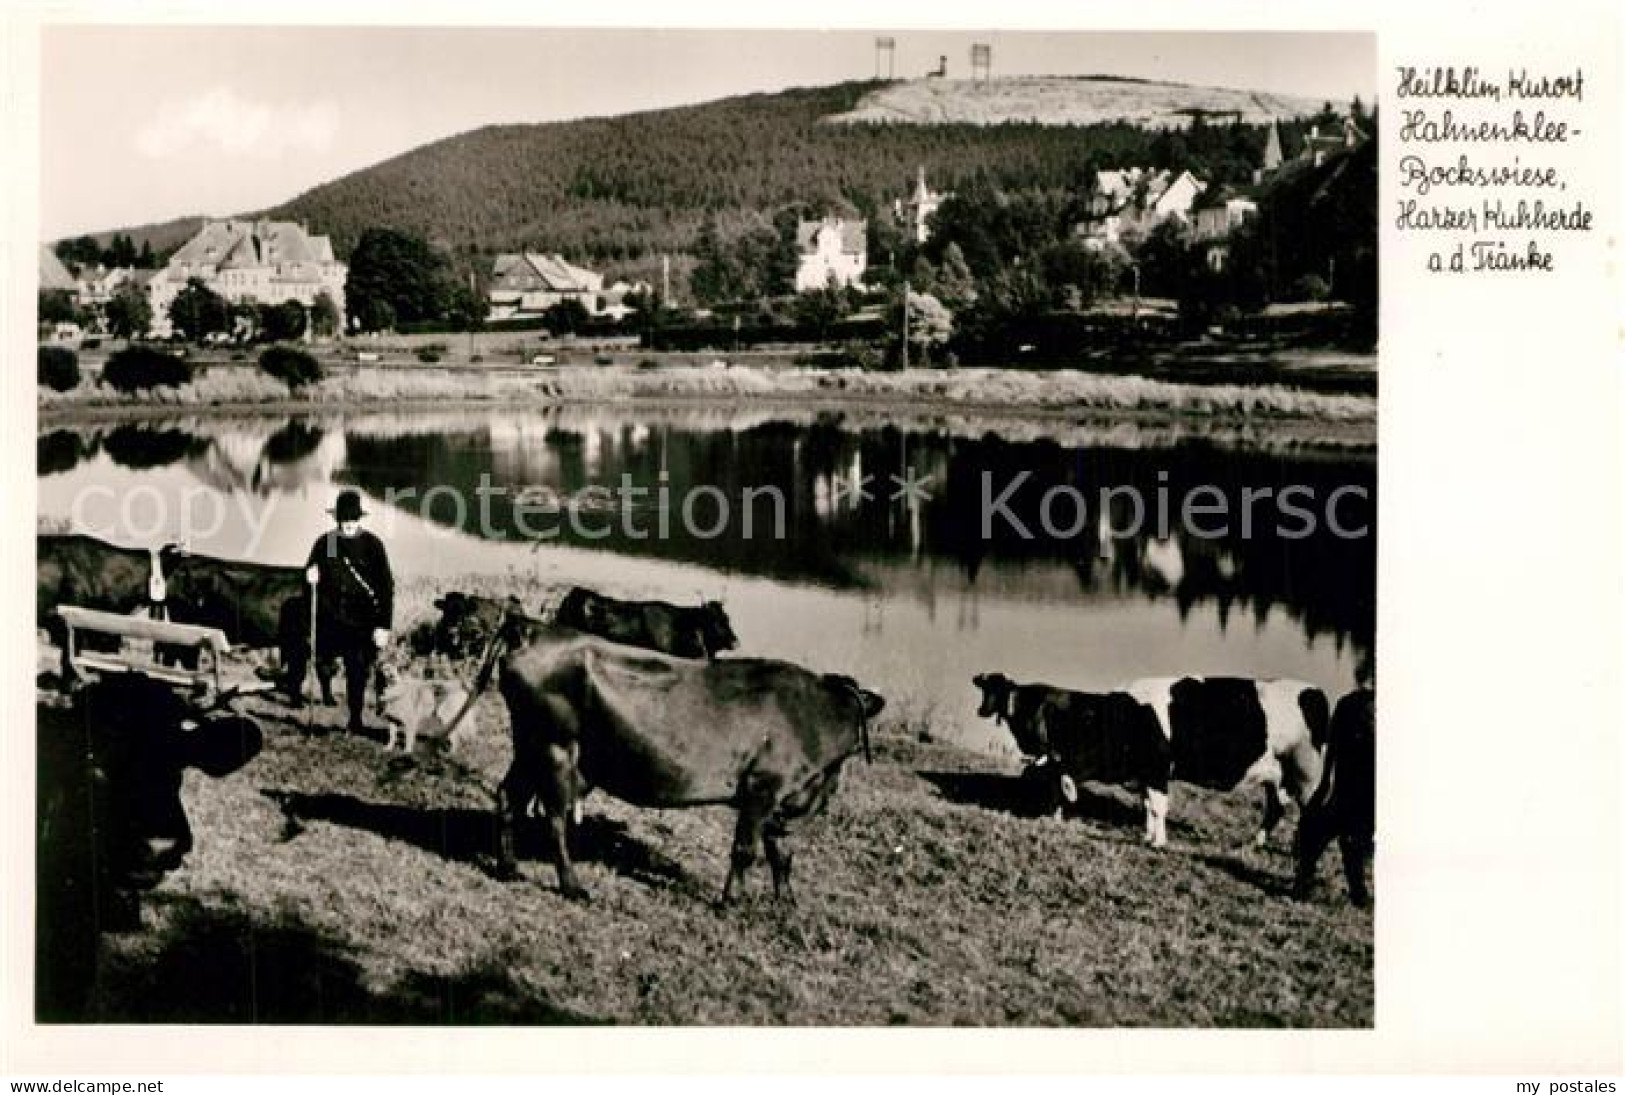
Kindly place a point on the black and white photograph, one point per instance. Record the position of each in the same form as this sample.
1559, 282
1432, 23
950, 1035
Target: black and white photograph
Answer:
703, 527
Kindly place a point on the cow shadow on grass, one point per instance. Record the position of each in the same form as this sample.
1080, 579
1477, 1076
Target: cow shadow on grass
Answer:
470, 836
1237, 866
1023, 797
226, 965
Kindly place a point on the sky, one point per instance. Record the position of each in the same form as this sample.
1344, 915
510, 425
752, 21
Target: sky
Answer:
144, 124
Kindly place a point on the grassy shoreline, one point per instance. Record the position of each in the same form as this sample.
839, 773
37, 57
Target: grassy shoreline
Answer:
1058, 395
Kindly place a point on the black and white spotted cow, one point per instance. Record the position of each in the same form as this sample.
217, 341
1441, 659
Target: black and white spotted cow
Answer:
1217, 732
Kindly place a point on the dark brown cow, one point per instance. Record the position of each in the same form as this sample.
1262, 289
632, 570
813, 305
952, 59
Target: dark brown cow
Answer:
110, 821
766, 737
468, 621
82, 570
257, 605
702, 632
1344, 806
73, 569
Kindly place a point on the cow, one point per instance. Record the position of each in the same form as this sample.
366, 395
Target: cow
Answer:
1344, 806
74, 569
702, 632
468, 621
1016, 706
257, 605
1216, 732
110, 822
766, 737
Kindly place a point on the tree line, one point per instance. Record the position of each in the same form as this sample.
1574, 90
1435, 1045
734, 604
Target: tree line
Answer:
84, 253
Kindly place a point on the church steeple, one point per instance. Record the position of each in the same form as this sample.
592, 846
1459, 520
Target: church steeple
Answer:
1272, 149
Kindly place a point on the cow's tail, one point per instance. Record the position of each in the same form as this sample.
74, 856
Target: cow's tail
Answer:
863, 713
482, 680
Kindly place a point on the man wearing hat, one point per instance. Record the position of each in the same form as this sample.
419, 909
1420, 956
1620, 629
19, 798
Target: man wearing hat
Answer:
355, 598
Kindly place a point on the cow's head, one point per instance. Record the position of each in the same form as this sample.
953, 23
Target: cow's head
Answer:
869, 704
466, 622
140, 738
716, 629
111, 821
996, 692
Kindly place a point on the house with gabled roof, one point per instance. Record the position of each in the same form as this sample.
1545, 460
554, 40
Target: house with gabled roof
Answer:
1344, 136
832, 252
268, 262
523, 286
1216, 215
1136, 200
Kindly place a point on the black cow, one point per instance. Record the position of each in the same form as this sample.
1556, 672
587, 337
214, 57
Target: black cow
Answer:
1215, 732
766, 737
702, 632
1344, 806
110, 821
1017, 706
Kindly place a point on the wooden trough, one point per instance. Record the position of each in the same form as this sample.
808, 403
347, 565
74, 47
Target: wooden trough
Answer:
210, 643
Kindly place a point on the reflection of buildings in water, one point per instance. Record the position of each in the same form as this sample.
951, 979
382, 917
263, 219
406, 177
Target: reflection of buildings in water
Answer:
521, 454
592, 451
823, 496
265, 462
240, 456
969, 605
1163, 563
874, 614
832, 491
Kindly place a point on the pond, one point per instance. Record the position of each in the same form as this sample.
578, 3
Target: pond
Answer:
1080, 554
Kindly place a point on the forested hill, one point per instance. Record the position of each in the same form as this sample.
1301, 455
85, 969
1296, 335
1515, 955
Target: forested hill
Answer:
620, 191
626, 188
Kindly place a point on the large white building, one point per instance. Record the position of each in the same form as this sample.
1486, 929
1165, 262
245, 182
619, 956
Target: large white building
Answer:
831, 252
269, 262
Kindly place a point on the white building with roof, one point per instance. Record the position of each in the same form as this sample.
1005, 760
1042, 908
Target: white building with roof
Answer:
831, 252
1135, 200
526, 285
268, 262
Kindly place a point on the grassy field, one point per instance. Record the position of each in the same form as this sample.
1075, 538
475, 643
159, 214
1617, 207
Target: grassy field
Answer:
334, 882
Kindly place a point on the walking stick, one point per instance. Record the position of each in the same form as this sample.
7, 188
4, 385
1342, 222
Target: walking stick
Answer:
315, 666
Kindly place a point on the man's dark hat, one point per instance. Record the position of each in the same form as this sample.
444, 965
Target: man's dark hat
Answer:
348, 507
